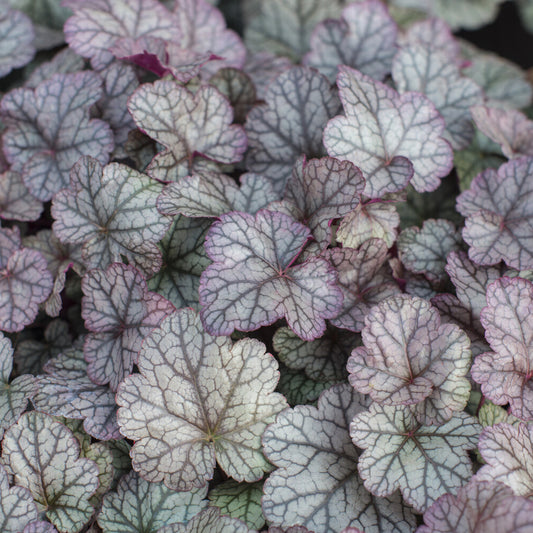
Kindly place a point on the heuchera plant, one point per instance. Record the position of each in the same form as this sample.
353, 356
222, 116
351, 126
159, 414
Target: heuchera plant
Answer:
265, 265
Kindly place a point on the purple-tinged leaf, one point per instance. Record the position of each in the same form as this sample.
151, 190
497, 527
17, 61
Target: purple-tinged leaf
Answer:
209, 520
505, 84
364, 280
140, 506
512, 130
499, 215
316, 484
363, 38
424, 462
239, 500
212, 195
198, 399
48, 130
479, 506
14, 395
98, 25
120, 81
410, 358
64, 62
59, 259
319, 191
119, 312
238, 88
505, 374
66, 390
24, 282
44, 458
190, 126
184, 259
457, 13
32, 353
253, 281
112, 212
291, 529
413, 151
40, 527
17, 508
508, 452
16, 39
428, 70
284, 27
263, 69
323, 359
16, 203
203, 30
298, 389
371, 220
298, 105
424, 250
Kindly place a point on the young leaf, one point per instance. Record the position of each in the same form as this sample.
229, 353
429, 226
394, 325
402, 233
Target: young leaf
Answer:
16, 506
323, 359
97, 211
319, 191
410, 358
298, 105
298, 389
508, 452
184, 259
390, 157
512, 130
99, 25
66, 390
139, 506
15, 201
363, 38
14, 395
479, 506
44, 458
434, 33
212, 195
505, 373
239, 500
16, 38
253, 281
428, 70
209, 520
371, 220
499, 210
119, 312
48, 130
424, 251
284, 26
24, 282
364, 280
424, 462
316, 484
490, 414
198, 399
194, 128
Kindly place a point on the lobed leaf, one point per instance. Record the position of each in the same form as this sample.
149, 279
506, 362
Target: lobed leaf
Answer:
289, 124
44, 458
210, 520
119, 312
15, 201
253, 281
66, 390
424, 462
49, 129
498, 211
389, 157
16, 38
316, 484
64, 62
363, 38
97, 212
410, 358
194, 128
198, 399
